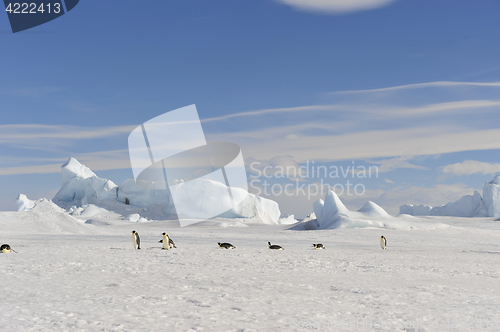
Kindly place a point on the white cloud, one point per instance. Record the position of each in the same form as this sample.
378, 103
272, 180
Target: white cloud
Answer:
416, 141
274, 110
437, 84
469, 167
445, 117
450, 107
335, 6
24, 132
388, 165
96, 161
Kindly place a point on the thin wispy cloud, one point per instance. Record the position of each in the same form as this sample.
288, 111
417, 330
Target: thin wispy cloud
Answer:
335, 6
273, 110
369, 144
23, 132
419, 123
96, 161
440, 84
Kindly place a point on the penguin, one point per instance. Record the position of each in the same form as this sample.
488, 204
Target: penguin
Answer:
136, 240
167, 242
226, 245
274, 246
383, 242
318, 246
5, 248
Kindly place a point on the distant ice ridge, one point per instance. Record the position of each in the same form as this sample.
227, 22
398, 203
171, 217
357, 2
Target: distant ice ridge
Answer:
467, 206
82, 192
331, 213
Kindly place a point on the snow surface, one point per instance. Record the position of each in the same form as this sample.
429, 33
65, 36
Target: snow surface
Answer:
77, 274
466, 206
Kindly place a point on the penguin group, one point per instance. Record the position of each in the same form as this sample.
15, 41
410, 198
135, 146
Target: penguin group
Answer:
168, 244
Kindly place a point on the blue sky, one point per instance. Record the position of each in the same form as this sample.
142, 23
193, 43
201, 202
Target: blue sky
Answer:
411, 87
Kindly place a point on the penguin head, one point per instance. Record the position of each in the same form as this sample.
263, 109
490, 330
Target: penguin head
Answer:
218, 243
268, 243
163, 234
382, 237
133, 232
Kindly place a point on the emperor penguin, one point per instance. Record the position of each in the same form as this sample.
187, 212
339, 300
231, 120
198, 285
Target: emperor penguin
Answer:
383, 242
226, 245
167, 242
136, 240
318, 246
5, 248
274, 246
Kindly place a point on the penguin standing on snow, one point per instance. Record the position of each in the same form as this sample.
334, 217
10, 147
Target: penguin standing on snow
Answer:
5, 248
318, 246
136, 240
226, 245
274, 246
167, 242
383, 242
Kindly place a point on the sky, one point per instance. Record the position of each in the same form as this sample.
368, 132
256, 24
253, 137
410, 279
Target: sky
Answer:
408, 88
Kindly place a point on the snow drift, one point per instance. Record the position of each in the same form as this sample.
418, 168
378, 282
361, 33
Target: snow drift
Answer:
331, 213
467, 206
83, 193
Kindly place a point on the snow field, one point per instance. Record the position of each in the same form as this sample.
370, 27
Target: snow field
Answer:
98, 282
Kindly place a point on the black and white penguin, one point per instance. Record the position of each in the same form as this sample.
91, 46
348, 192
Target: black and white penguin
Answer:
136, 240
274, 246
226, 245
5, 248
167, 242
383, 242
318, 246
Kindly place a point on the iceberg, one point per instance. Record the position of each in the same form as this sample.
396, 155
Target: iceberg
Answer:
83, 193
331, 213
467, 206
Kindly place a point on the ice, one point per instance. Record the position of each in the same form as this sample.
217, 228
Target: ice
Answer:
84, 194
23, 203
467, 206
287, 219
333, 214
79, 185
373, 209
491, 194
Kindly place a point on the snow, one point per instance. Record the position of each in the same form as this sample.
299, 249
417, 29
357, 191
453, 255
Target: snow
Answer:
467, 206
82, 188
373, 209
69, 275
23, 203
287, 219
331, 213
